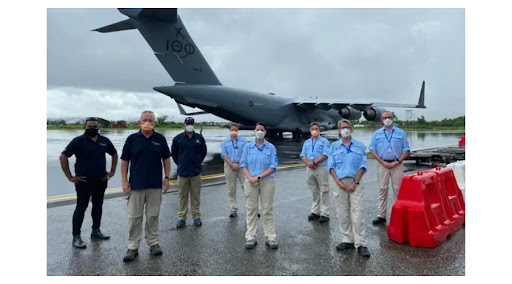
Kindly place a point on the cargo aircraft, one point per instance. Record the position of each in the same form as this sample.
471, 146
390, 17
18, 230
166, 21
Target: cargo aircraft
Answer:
197, 86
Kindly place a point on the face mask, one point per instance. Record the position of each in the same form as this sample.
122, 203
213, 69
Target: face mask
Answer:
189, 128
345, 132
388, 122
91, 132
315, 133
234, 133
146, 126
260, 134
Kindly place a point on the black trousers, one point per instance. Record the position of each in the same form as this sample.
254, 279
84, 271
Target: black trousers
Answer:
85, 191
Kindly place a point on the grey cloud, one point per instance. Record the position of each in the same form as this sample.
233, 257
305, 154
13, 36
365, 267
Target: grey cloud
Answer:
360, 55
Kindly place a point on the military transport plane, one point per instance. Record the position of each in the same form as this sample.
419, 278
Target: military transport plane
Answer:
197, 86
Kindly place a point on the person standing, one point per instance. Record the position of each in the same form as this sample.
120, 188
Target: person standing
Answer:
389, 147
188, 152
347, 164
90, 178
231, 153
315, 152
144, 152
259, 163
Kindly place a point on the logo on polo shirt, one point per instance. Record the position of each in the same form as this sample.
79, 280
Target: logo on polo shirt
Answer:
103, 144
156, 143
198, 142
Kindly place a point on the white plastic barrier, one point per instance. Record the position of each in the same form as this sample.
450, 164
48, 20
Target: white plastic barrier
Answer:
459, 170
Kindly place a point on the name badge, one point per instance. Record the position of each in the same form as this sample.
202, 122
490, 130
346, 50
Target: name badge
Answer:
312, 158
389, 149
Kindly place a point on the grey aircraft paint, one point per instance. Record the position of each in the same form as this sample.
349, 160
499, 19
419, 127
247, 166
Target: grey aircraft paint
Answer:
197, 85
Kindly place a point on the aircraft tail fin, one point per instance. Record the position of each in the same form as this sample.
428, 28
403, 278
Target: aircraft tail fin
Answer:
421, 101
171, 43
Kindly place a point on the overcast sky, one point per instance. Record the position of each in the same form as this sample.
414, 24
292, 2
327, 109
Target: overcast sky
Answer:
351, 55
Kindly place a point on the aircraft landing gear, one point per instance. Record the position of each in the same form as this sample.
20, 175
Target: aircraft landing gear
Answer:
297, 134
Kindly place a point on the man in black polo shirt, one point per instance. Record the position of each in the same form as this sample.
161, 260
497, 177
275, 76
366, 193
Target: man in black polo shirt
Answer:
90, 178
145, 150
188, 152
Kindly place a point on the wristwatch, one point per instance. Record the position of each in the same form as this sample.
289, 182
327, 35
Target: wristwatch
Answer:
314, 163
259, 177
356, 181
166, 177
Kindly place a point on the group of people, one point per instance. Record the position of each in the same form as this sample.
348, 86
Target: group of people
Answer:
146, 155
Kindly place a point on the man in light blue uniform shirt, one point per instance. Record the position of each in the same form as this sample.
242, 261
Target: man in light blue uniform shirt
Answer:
347, 164
314, 154
389, 146
231, 153
259, 164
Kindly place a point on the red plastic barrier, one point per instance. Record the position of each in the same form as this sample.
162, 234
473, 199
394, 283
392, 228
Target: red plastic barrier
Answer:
418, 215
452, 197
462, 141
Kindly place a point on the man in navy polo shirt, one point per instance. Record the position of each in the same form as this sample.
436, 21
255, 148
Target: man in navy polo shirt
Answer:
144, 152
188, 152
90, 178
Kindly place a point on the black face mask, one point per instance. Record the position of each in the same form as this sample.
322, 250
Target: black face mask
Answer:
91, 132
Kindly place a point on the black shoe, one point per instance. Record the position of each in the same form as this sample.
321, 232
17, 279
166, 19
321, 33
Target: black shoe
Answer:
78, 243
363, 251
232, 214
345, 246
250, 244
323, 219
97, 234
272, 244
378, 221
155, 250
313, 217
130, 255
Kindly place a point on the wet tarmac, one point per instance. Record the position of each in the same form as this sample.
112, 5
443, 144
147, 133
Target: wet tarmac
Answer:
217, 248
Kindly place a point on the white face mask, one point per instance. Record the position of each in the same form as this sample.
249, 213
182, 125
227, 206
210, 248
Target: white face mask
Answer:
345, 132
260, 134
189, 128
388, 122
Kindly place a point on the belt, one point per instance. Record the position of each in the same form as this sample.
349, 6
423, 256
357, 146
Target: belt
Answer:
391, 161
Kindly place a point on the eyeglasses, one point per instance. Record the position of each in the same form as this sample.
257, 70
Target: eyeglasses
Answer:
148, 111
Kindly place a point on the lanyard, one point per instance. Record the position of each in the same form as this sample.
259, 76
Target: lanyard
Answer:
261, 149
235, 145
390, 137
313, 146
349, 146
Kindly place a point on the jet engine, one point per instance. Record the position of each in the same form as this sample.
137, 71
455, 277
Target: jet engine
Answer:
373, 114
349, 113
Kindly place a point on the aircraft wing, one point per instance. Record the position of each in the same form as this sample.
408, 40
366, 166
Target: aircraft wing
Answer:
310, 104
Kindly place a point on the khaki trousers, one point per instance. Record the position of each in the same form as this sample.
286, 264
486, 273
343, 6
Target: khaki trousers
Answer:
318, 182
265, 191
350, 208
231, 178
189, 186
137, 200
396, 174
